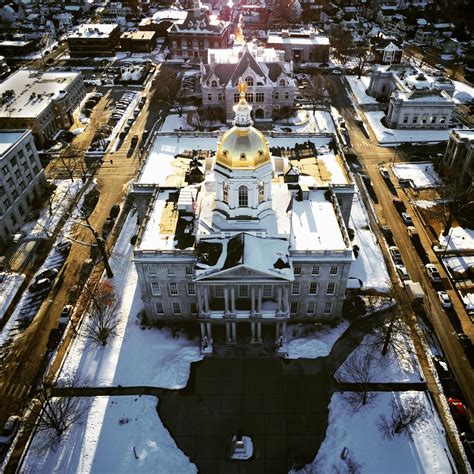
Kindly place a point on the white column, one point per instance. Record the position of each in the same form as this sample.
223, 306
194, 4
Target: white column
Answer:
232, 300
203, 330
209, 331
252, 330
286, 302
279, 298
226, 300
277, 331
259, 306
259, 332
206, 299
283, 331
200, 303
228, 335
234, 332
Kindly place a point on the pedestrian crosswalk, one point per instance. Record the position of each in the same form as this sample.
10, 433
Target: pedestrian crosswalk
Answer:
15, 391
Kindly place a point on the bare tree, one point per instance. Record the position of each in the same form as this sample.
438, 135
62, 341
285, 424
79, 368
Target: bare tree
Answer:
102, 313
391, 336
362, 54
403, 417
359, 369
343, 44
200, 119
55, 415
167, 87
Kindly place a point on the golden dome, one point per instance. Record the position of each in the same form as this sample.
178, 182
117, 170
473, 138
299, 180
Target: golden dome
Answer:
243, 146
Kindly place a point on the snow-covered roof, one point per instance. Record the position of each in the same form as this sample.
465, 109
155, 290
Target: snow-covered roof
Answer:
465, 134
93, 30
277, 38
8, 140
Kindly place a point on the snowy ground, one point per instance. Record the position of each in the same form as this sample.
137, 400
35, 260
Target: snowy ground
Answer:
105, 439
393, 367
390, 136
307, 122
421, 175
458, 238
425, 450
311, 344
174, 123
8, 290
358, 87
61, 199
369, 267
463, 93
168, 357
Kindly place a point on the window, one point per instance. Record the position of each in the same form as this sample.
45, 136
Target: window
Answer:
331, 289
193, 308
219, 291
225, 191
170, 270
294, 308
415, 119
13, 220
297, 270
295, 288
282, 83
243, 196
209, 97
313, 288
249, 97
20, 210
327, 307
276, 96
310, 307
191, 289
442, 119
249, 81
151, 269
213, 83
220, 97
334, 270
287, 95
260, 97
424, 118
315, 270
173, 289
5, 170
236, 97
176, 308
159, 308
267, 291
433, 119
243, 291
155, 288
261, 192
405, 119
189, 270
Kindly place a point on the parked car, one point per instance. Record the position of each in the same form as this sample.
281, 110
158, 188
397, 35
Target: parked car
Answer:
114, 211
444, 299
40, 285
50, 274
384, 172
442, 368
402, 272
8, 432
65, 315
399, 205
468, 444
457, 409
130, 121
407, 218
433, 273
64, 246
395, 253
465, 341
3, 275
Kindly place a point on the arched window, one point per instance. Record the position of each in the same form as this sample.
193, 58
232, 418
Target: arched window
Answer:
225, 192
276, 95
282, 83
214, 83
243, 196
261, 192
249, 81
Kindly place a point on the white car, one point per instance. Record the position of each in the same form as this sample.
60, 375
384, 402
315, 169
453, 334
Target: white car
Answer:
433, 273
444, 299
402, 272
407, 218
384, 172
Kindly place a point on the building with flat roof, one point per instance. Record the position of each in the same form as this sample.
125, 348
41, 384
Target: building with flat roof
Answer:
138, 41
458, 160
94, 39
301, 45
21, 180
41, 101
241, 238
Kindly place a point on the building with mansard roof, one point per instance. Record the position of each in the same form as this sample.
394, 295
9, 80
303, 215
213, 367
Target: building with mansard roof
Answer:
240, 240
269, 78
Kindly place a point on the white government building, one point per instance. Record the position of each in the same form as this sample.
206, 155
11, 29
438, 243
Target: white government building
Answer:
246, 242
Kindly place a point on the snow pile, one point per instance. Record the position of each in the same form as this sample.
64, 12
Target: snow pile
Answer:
116, 434
163, 358
50, 215
458, 238
421, 175
358, 88
311, 345
8, 290
369, 268
390, 136
176, 123
463, 93
425, 450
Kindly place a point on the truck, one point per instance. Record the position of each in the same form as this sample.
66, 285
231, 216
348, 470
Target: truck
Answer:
399, 205
415, 240
415, 293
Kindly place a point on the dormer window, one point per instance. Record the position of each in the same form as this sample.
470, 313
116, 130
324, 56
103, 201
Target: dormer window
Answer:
282, 83
214, 83
249, 81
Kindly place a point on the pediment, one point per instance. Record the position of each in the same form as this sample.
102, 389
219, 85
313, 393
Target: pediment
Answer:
245, 272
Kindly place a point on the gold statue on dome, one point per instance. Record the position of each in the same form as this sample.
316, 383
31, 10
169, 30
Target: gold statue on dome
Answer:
242, 88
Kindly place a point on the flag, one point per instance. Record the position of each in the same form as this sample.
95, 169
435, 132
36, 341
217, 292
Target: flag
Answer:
290, 205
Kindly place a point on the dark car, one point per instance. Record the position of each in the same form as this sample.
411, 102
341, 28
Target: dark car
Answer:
40, 285
50, 274
65, 316
8, 433
114, 211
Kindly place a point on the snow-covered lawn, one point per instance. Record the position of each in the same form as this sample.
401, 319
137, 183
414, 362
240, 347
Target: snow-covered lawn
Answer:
424, 450
50, 215
458, 238
8, 290
306, 122
358, 88
421, 175
402, 366
176, 123
390, 136
304, 344
106, 439
369, 267
134, 356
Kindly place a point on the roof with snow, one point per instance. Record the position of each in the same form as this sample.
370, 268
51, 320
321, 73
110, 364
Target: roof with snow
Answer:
93, 30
